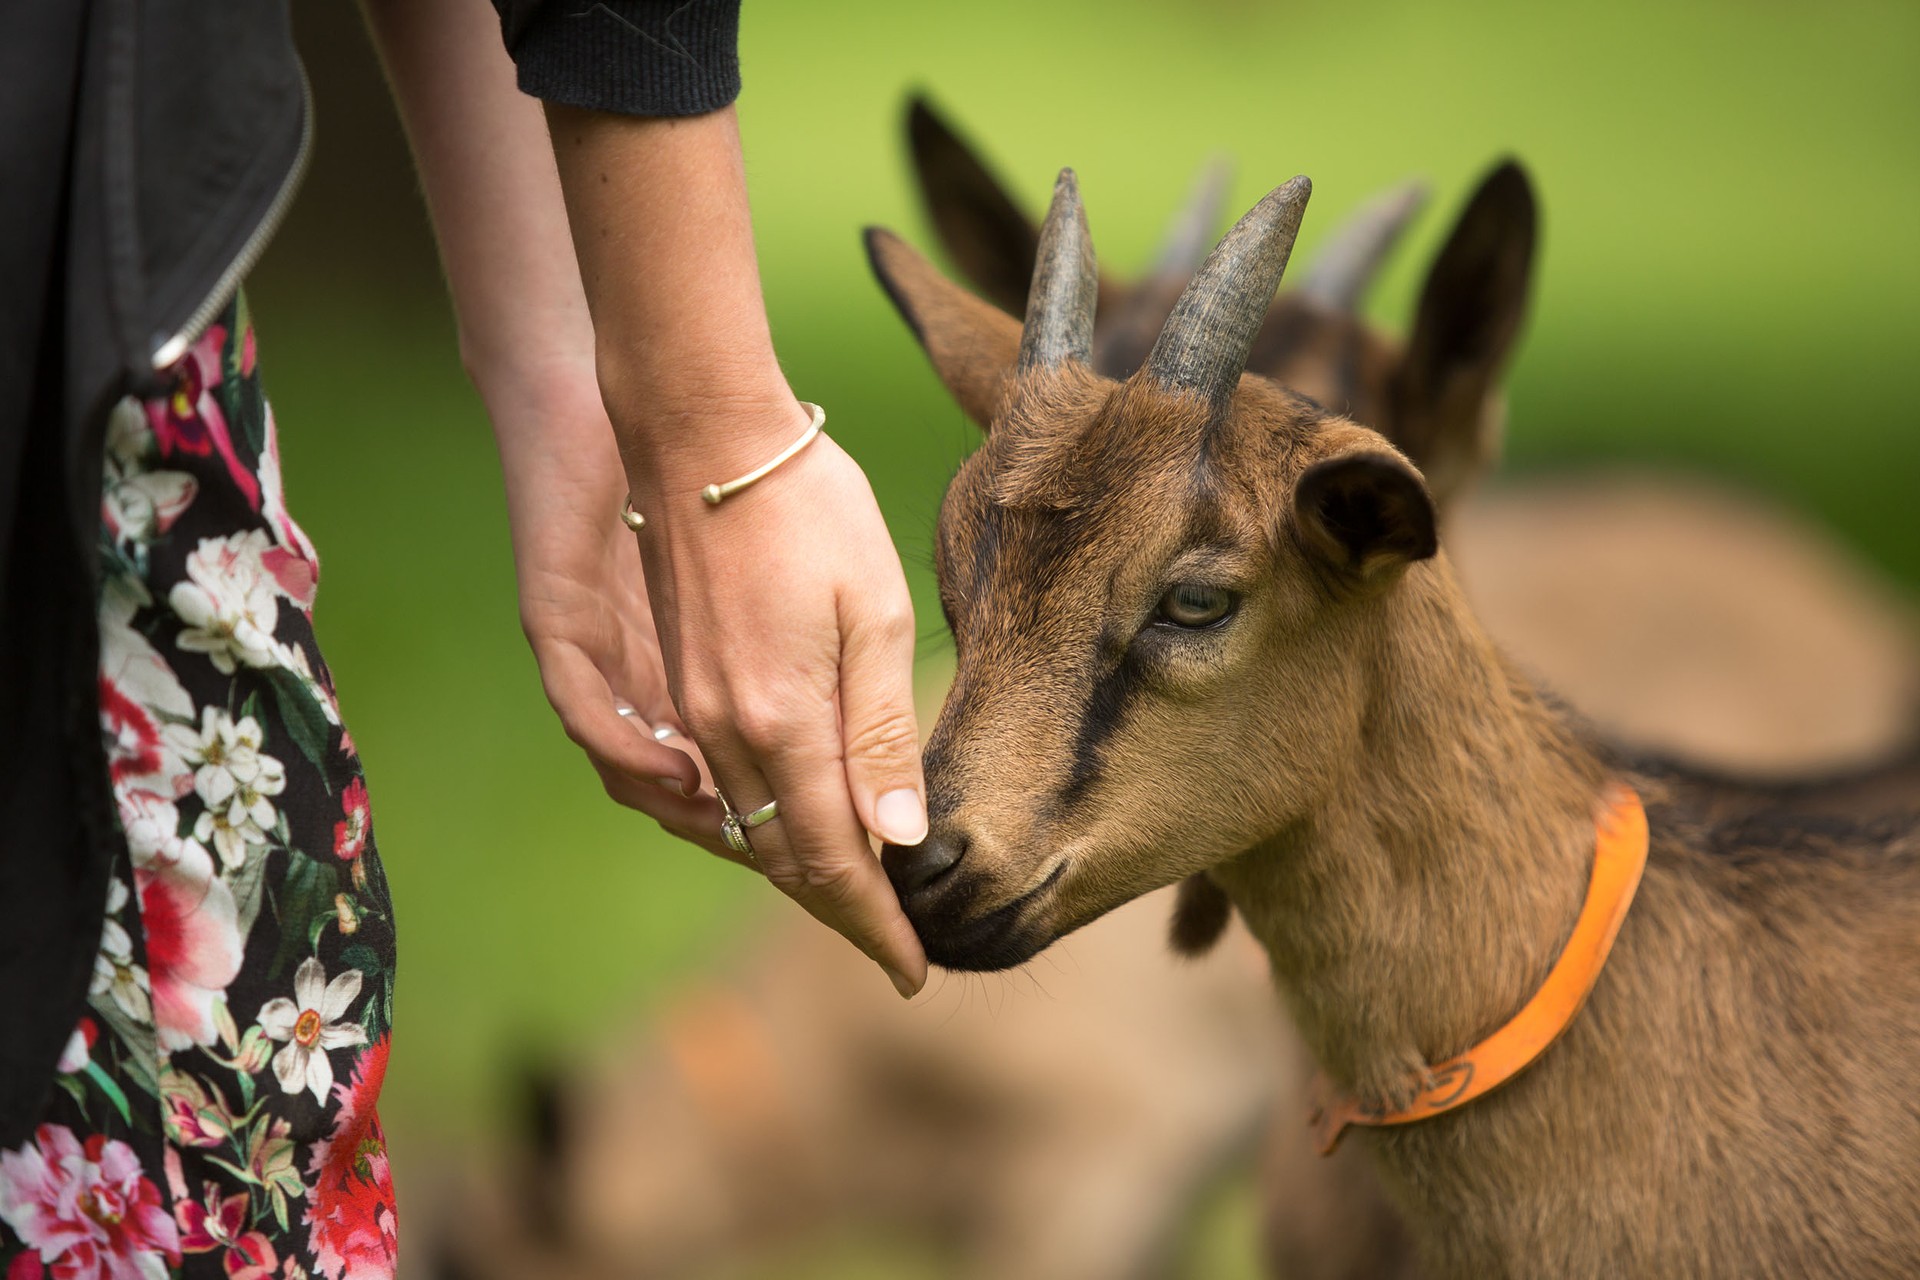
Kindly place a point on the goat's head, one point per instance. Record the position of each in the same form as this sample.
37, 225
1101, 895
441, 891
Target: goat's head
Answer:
1142, 577
1436, 397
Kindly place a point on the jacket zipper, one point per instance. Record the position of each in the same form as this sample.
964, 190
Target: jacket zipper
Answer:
243, 262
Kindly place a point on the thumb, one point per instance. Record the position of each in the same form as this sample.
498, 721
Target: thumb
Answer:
881, 738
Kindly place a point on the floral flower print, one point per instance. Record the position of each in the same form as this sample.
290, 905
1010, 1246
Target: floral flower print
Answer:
271, 1166
294, 564
235, 779
189, 419
350, 1205
139, 694
217, 1222
228, 602
114, 972
194, 945
137, 505
192, 1116
293, 658
309, 1027
164, 1148
86, 1208
350, 833
79, 1051
251, 1257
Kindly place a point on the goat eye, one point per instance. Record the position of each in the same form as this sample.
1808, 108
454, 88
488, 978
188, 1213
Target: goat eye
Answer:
1194, 605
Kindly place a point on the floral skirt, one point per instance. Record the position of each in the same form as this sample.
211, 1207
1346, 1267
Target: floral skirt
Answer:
214, 1114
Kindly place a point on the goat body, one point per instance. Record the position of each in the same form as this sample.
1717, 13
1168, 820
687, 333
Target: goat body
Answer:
1203, 626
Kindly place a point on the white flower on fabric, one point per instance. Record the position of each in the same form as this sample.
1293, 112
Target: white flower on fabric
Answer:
228, 602
138, 693
137, 504
152, 824
309, 1026
235, 779
78, 1053
294, 659
114, 972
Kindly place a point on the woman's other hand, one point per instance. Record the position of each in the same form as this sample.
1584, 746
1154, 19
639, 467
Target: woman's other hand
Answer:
584, 607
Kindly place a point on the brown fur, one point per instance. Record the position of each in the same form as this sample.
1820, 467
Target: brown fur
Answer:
1407, 825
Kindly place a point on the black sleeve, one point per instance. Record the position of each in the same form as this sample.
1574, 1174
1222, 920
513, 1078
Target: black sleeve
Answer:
635, 57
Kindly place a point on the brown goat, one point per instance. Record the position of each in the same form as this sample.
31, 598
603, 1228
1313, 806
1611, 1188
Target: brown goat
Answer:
1203, 625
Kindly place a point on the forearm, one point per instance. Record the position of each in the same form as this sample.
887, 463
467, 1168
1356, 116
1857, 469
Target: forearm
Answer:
658, 208
486, 167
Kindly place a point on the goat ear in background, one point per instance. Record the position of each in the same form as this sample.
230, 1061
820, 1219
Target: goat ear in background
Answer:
972, 344
990, 242
1364, 516
1201, 913
1471, 308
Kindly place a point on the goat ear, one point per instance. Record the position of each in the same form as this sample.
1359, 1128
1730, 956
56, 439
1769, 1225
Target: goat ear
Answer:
1470, 313
972, 345
991, 243
1201, 913
1364, 516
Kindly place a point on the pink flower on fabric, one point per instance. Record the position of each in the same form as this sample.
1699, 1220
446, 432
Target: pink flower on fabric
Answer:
213, 1223
293, 563
192, 1116
350, 1199
309, 1026
251, 1258
189, 419
86, 1209
194, 947
350, 834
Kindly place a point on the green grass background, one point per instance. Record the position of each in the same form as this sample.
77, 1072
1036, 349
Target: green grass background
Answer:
1729, 281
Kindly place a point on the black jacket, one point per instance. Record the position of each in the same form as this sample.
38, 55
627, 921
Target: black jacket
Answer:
147, 150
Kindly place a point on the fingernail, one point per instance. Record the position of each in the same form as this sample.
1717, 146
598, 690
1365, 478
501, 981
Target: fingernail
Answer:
901, 817
674, 785
901, 984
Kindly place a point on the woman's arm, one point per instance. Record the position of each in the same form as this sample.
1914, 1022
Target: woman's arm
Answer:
527, 342
784, 624
783, 613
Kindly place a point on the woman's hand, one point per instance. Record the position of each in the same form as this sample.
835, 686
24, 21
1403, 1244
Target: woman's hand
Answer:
783, 615
583, 604
788, 636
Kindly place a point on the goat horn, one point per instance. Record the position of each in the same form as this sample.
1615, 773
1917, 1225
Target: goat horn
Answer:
1191, 231
1060, 301
1203, 346
1346, 265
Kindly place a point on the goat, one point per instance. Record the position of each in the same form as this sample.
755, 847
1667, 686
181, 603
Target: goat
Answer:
1202, 625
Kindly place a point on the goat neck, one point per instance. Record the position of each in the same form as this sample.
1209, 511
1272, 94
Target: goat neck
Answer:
1424, 895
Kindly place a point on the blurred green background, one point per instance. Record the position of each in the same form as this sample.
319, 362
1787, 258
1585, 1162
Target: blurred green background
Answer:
1730, 282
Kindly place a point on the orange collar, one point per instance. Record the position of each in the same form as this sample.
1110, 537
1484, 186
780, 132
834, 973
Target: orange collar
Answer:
1620, 855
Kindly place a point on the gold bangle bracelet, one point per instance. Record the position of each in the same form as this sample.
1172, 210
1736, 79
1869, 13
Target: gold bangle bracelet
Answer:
713, 494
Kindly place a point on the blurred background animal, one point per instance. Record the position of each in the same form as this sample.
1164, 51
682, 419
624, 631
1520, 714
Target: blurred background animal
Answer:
1069, 1130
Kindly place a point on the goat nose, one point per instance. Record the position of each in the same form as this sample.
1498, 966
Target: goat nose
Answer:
914, 867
